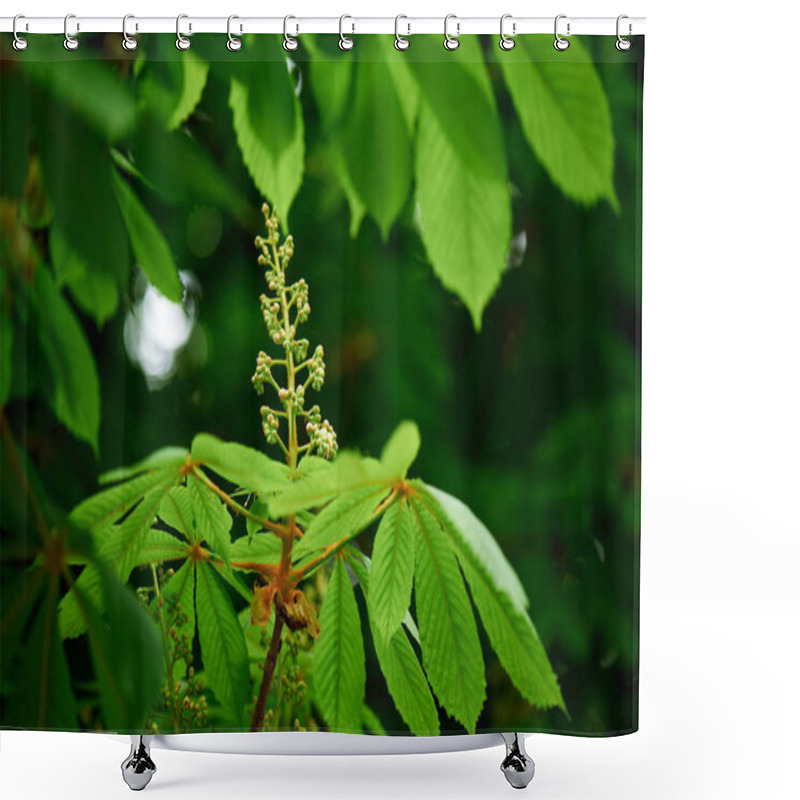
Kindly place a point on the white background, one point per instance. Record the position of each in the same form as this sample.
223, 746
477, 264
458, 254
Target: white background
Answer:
720, 603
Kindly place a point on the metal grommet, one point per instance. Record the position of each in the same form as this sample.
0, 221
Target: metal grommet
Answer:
290, 44
506, 42
345, 42
561, 43
234, 44
622, 43
128, 42
182, 42
19, 43
400, 42
451, 42
70, 42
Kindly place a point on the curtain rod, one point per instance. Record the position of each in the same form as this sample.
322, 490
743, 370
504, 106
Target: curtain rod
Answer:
513, 26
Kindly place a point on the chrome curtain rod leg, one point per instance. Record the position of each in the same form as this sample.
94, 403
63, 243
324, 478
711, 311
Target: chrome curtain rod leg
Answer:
517, 766
138, 768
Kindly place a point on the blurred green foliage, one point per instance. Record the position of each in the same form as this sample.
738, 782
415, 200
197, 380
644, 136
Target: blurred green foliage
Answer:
483, 280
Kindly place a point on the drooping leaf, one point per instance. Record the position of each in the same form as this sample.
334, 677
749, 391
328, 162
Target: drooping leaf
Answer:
94, 290
499, 597
159, 546
241, 465
399, 452
370, 721
392, 570
339, 661
75, 390
268, 122
76, 162
375, 141
222, 642
211, 517
129, 667
149, 245
341, 520
565, 115
465, 212
163, 458
451, 650
181, 588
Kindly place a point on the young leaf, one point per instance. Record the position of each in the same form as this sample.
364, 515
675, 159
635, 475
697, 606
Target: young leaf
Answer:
465, 213
75, 388
392, 570
211, 518
565, 116
268, 122
263, 548
241, 465
222, 642
339, 661
499, 597
181, 587
149, 246
163, 458
451, 650
341, 520
158, 546
375, 141
400, 451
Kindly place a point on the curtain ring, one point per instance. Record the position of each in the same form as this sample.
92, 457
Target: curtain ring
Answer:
289, 44
506, 42
128, 42
19, 43
451, 42
182, 43
234, 44
345, 42
561, 43
622, 43
400, 42
70, 42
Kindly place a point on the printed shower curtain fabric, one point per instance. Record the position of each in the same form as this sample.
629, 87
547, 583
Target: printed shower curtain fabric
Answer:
320, 385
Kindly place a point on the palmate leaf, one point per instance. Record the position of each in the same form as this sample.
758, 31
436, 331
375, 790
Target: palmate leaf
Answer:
565, 116
499, 597
222, 643
399, 664
392, 570
451, 650
241, 465
339, 661
164, 457
263, 548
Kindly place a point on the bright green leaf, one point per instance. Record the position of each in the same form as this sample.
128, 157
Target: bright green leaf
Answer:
565, 116
465, 212
222, 644
399, 452
211, 517
264, 548
375, 141
75, 387
241, 465
451, 649
341, 520
268, 122
392, 570
158, 546
339, 661
149, 245
163, 458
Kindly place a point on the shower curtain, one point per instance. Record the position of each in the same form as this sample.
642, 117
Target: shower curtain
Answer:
320, 385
